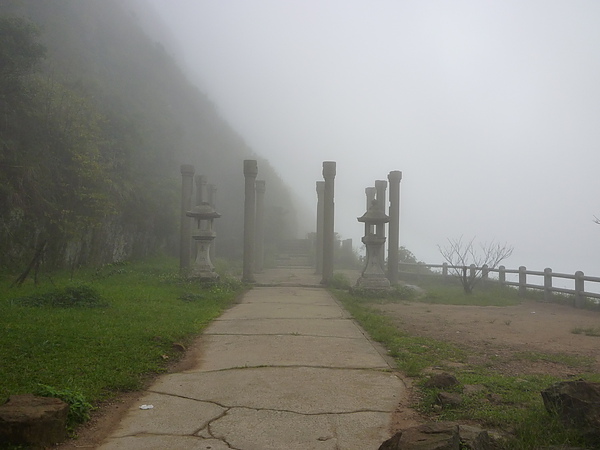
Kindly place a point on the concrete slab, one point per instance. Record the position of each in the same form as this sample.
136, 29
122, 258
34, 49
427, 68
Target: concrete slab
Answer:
276, 430
342, 328
301, 390
163, 442
284, 311
169, 415
231, 351
288, 295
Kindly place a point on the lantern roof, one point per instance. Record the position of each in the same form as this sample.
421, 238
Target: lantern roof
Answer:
203, 211
374, 215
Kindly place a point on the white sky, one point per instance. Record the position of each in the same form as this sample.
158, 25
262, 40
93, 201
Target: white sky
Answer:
491, 109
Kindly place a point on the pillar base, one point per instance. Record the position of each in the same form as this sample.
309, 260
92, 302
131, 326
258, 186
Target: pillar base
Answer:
378, 283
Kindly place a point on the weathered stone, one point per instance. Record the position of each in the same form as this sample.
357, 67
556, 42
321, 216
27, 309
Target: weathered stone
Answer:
577, 404
429, 436
475, 438
35, 421
449, 399
392, 443
441, 381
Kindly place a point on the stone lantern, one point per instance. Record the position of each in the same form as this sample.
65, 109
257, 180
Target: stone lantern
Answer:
373, 276
203, 234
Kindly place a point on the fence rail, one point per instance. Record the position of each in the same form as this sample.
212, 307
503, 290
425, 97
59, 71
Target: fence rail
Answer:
579, 278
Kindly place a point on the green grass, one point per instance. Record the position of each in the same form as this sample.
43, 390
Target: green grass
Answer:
411, 353
574, 361
451, 294
590, 331
511, 403
109, 345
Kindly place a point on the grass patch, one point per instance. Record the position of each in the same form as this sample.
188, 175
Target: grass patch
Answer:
411, 353
590, 331
560, 358
104, 331
481, 296
511, 403
70, 296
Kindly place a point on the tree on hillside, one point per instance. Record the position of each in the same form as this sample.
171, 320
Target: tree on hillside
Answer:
461, 254
53, 180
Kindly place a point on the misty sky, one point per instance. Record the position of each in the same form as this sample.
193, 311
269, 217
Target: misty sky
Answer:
491, 109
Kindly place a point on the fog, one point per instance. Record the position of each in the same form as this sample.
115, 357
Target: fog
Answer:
490, 109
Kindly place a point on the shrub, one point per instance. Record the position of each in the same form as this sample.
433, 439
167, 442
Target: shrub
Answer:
79, 407
75, 295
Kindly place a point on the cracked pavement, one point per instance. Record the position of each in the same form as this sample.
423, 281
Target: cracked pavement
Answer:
286, 368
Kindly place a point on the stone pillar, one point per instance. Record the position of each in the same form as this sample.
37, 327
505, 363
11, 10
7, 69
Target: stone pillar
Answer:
319, 240
394, 179
200, 188
250, 172
370, 193
212, 199
259, 250
200, 181
187, 189
329, 170
380, 187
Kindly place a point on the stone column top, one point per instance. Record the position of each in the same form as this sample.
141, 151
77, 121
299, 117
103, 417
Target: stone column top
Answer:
381, 184
395, 176
320, 187
200, 179
187, 169
250, 167
261, 186
328, 169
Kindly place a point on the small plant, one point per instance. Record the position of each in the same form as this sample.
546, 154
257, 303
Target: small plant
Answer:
79, 407
75, 295
340, 281
507, 322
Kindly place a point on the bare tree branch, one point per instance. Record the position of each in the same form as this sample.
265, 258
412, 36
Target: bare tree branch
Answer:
461, 255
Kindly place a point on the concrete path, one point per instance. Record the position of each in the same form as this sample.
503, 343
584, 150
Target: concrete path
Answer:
286, 368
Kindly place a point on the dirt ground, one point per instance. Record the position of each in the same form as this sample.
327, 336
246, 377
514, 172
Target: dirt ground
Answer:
498, 337
492, 336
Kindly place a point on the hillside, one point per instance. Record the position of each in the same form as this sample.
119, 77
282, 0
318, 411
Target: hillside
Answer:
98, 117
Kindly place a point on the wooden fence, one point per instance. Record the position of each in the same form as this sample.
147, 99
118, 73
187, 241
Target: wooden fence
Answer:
579, 278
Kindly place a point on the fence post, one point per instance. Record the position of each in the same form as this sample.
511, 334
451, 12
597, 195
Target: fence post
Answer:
472, 272
547, 284
522, 281
579, 289
502, 275
445, 270
485, 275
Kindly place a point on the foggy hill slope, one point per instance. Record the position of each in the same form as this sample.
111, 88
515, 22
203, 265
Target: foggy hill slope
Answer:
151, 120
